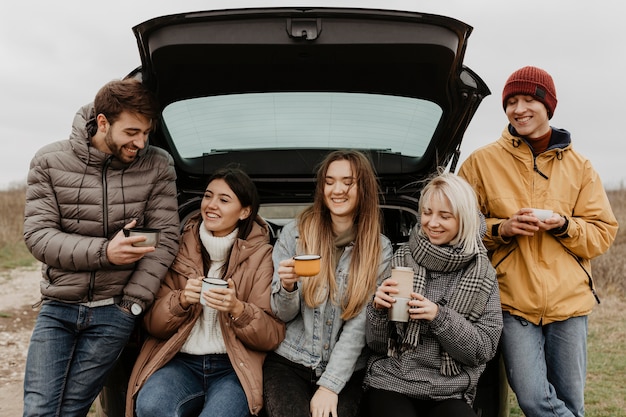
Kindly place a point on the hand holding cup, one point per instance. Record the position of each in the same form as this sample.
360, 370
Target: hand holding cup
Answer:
122, 249
210, 283
151, 236
399, 310
385, 294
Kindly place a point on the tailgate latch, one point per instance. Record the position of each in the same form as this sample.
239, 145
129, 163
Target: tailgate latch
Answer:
308, 29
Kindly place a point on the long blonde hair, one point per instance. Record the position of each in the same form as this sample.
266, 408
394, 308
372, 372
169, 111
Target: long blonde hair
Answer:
316, 236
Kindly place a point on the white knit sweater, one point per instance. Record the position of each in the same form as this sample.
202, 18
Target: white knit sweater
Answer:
206, 335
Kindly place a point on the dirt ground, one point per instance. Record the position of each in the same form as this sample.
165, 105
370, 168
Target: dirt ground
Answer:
19, 290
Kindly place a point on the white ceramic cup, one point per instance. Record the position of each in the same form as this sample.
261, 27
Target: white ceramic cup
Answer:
542, 214
208, 283
399, 310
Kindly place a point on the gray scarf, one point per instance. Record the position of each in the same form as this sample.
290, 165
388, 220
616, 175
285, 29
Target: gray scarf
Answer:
469, 298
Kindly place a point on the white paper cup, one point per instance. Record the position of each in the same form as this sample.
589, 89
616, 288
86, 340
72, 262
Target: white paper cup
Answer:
208, 283
399, 310
542, 214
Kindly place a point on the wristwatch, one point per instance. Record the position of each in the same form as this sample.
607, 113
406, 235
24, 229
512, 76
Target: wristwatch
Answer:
134, 308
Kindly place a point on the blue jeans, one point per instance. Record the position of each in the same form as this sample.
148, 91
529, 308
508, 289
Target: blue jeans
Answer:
71, 351
546, 365
193, 385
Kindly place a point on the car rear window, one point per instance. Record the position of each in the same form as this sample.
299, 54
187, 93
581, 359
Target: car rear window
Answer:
289, 120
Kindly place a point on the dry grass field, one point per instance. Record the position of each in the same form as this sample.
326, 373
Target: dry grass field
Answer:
605, 393
609, 270
13, 252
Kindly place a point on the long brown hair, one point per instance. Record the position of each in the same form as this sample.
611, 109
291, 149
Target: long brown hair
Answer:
316, 236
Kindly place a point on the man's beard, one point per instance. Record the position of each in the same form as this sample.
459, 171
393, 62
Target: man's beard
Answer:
116, 150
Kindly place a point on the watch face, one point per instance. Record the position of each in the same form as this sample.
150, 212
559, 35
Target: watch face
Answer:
136, 309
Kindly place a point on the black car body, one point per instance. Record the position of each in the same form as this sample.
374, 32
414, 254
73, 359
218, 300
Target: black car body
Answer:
275, 89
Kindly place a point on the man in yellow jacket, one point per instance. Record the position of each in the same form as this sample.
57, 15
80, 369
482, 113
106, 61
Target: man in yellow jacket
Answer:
543, 263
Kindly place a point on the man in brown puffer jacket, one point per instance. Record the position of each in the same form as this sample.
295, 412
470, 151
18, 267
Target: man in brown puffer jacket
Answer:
81, 193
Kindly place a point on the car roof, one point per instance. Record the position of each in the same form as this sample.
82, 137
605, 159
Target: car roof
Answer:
234, 68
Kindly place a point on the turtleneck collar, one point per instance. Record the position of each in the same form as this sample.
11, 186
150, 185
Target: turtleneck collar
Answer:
217, 247
541, 143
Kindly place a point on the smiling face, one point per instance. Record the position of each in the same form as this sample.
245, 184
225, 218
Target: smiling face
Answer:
125, 137
221, 209
438, 221
528, 116
340, 190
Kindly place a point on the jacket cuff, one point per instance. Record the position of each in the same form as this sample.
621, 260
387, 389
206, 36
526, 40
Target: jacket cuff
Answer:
244, 318
561, 232
376, 315
495, 234
133, 300
175, 306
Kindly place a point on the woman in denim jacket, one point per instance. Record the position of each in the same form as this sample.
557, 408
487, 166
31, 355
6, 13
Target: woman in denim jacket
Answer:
318, 369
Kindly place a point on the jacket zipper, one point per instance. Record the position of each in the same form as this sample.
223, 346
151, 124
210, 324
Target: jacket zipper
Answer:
105, 221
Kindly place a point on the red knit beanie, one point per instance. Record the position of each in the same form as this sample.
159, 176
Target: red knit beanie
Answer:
534, 82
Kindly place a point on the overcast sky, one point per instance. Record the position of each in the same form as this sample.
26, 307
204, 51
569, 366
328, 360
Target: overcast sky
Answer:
55, 55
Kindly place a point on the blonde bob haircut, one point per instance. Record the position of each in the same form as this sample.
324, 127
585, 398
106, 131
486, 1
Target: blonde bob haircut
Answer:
316, 236
464, 204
